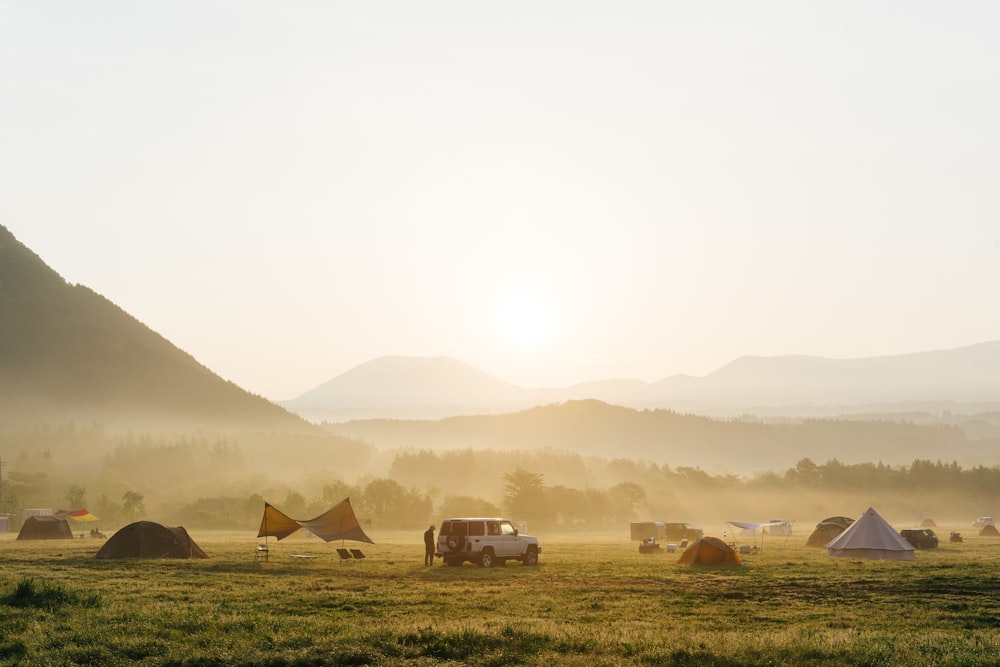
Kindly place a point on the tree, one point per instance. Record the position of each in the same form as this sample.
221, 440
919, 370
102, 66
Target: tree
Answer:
107, 509
336, 491
76, 497
31, 489
133, 505
294, 505
626, 498
524, 496
467, 506
393, 506
805, 472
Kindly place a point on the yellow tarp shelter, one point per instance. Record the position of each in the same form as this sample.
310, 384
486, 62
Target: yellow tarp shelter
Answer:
337, 523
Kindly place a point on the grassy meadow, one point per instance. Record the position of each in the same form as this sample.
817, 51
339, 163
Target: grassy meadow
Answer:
592, 600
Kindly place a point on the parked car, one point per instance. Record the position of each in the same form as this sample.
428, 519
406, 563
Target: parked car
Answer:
681, 531
920, 538
983, 521
485, 540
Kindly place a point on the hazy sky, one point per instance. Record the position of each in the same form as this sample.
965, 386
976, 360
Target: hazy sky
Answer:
550, 191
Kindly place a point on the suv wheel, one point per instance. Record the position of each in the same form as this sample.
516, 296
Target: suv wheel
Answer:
486, 558
531, 557
454, 542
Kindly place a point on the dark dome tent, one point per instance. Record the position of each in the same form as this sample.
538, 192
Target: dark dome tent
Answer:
146, 539
45, 528
987, 531
928, 523
827, 529
824, 533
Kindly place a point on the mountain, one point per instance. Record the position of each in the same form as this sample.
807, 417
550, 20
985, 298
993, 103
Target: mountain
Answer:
593, 428
417, 387
964, 375
69, 354
434, 388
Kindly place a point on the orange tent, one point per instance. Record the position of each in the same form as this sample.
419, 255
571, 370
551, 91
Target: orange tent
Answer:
709, 551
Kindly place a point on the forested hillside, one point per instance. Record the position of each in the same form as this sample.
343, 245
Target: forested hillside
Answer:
592, 428
69, 354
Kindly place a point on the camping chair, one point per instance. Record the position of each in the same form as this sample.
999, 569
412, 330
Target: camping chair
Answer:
357, 554
344, 554
261, 552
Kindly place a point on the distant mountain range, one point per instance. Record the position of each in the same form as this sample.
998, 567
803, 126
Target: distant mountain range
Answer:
67, 354
966, 378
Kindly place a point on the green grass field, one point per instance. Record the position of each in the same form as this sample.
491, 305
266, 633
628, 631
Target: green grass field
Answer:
593, 600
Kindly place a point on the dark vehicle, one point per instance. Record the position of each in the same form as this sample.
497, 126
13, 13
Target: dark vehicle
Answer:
920, 538
681, 531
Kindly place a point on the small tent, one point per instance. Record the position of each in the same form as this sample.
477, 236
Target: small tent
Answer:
146, 539
827, 529
870, 536
928, 523
989, 531
824, 532
45, 528
709, 551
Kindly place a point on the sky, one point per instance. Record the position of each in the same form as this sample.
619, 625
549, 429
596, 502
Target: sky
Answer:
552, 192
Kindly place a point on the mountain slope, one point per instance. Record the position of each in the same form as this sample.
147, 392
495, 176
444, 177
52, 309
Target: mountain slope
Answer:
67, 353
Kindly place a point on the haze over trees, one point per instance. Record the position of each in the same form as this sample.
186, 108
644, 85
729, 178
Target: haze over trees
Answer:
202, 484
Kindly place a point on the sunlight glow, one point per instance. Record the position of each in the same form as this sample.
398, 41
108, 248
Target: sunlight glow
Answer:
524, 318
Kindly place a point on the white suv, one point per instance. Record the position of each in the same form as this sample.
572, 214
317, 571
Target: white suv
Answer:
487, 541
984, 521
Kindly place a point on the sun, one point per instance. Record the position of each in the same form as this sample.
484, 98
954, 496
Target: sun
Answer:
524, 318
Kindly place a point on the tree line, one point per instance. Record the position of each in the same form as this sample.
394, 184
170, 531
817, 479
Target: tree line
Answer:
526, 486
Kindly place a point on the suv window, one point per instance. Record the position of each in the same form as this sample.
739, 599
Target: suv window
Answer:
492, 527
506, 528
475, 527
454, 528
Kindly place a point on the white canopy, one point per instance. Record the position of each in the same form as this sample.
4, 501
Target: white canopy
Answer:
748, 528
870, 536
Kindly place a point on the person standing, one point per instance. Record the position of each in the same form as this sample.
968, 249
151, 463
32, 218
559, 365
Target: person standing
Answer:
429, 546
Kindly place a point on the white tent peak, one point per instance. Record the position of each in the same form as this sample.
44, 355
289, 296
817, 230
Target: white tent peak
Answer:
870, 536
